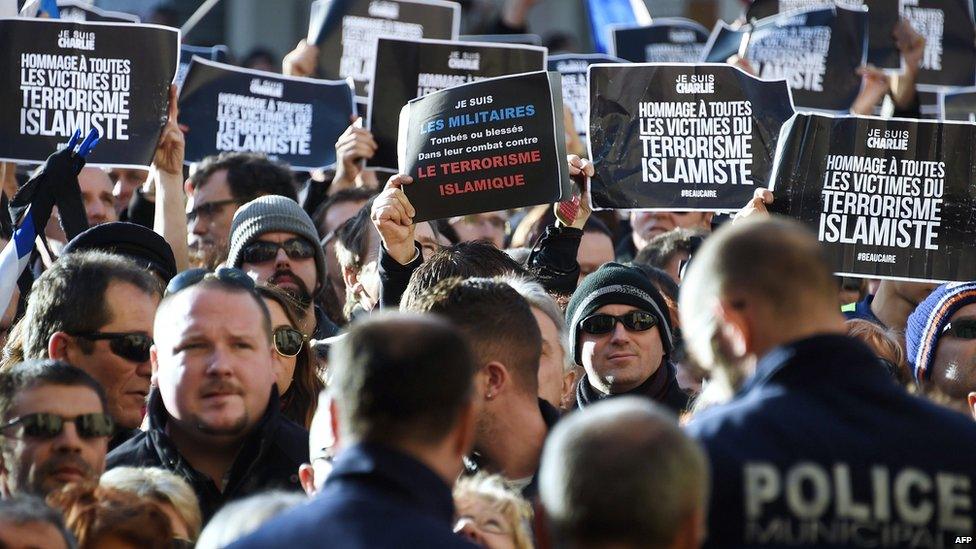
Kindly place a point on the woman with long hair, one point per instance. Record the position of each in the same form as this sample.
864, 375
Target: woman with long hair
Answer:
295, 366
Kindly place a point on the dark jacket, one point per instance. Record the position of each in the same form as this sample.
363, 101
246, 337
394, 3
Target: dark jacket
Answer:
375, 497
269, 458
662, 387
822, 448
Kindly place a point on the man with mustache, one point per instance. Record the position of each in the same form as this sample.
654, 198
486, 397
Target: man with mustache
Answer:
274, 241
217, 188
214, 417
54, 428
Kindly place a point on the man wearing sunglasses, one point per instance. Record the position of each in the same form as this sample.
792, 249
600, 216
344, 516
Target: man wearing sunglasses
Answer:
275, 242
95, 311
941, 343
217, 188
620, 333
215, 418
818, 438
54, 428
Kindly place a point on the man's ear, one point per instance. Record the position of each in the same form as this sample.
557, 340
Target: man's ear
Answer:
707, 221
735, 326
691, 533
496, 379
58, 345
972, 403
334, 424
154, 362
306, 476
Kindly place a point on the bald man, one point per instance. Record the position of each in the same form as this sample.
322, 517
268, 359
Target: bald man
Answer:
819, 446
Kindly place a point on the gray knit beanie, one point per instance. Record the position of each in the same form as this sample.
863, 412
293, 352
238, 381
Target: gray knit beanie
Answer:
273, 214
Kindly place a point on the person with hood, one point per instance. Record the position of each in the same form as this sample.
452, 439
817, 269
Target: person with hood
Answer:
620, 333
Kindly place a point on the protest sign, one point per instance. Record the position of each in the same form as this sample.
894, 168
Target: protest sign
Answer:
527, 39
950, 42
407, 69
219, 54
605, 14
887, 198
724, 42
816, 51
682, 137
958, 105
292, 120
59, 77
485, 146
346, 31
75, 10
576, 95
882, 18
668, 40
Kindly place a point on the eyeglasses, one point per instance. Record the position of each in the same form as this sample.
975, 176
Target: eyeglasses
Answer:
132, 346
46, 426
288, 341
635, 321
190, 277
961, 329
261, 251
209, 209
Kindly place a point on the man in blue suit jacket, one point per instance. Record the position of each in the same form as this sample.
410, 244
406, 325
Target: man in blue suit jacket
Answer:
401, 390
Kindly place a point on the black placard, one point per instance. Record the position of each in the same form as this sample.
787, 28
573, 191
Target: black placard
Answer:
219, 54
667, 40
56, 77
75, 10
816, 51
485, 146
887, 198
724, 42
950, 42
292, 120
882, 18
958, 105
576, 94
407, 69
682, 137
346, 32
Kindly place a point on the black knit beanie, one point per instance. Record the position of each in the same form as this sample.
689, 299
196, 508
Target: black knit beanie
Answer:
616, 284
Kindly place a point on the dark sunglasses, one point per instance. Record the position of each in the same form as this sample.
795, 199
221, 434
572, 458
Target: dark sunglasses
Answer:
601, 323
44, 425
229, 275
132, 346
209, 209
961, 329
261, 251
288, 341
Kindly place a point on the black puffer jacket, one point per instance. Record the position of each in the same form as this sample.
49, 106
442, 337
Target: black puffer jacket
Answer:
269, 458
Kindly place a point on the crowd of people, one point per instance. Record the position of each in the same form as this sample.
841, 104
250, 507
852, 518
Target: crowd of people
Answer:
242, 355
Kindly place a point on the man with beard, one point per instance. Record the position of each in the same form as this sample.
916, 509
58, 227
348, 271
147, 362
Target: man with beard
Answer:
214, 417
54, 428
275, 242
217, 188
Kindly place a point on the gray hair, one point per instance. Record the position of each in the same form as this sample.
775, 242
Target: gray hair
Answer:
621, 471
26, 509
161, 486
238, 519
536, 295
